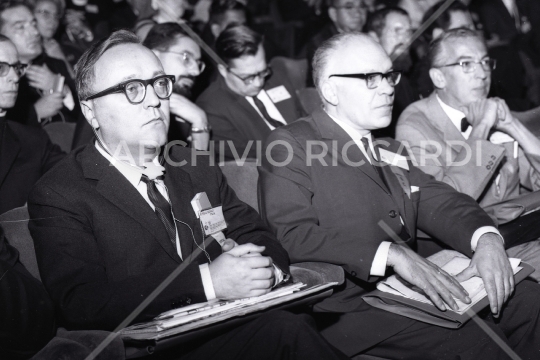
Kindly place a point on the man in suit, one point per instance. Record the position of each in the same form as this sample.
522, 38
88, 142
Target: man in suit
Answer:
345, 16
181, 56
39, 101
113, 220
26, 153
328, 193
492, 159
247, 101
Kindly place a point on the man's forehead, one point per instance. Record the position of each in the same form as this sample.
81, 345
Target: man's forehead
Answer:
394, 19
359, 55
8, 53
465, 48
185, 44
17, 14
124, 62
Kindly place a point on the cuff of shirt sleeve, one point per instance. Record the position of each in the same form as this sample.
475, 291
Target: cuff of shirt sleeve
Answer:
208, 285
481, 231
69, 102
378, 266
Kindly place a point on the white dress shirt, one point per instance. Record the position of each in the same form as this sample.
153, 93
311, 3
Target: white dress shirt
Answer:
270, 108
380, 261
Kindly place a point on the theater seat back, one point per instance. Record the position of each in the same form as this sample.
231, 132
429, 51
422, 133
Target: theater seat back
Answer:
242, 178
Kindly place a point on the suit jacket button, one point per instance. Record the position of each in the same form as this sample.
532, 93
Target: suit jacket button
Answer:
392, 213
353, 273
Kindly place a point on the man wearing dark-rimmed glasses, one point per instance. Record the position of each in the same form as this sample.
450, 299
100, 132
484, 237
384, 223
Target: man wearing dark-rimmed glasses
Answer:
482, 149
248, 100
333, 192
116, 219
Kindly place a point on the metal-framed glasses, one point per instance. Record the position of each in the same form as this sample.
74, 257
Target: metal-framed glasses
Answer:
373, 80
189, 60
249, 79
135, 90
19, 68
468, 66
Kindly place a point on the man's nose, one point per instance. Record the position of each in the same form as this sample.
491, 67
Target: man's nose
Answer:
480, 72
151, 99
32, 30
385, 88
258, 82
12, 75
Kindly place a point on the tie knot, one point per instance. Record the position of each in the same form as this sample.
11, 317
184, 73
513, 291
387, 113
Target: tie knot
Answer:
145, 179
464, 124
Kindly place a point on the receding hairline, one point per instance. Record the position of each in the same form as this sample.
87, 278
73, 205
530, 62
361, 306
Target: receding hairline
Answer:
364, 40
446, 44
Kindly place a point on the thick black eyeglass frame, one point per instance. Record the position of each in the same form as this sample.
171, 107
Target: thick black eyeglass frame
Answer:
122, 88
19, 68
366, 75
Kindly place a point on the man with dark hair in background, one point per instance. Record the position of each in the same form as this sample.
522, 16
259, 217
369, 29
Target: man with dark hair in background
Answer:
247, 100
42, 95
346, 16
181, 56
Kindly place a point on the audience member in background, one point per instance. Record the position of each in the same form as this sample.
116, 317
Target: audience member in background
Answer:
247, 100
94, 209
48, 14
223, 13
391, 27
26, 153
469, 141
509, 77
346, 16
329, 207
42, 97
165, 11
181, 57
26, 310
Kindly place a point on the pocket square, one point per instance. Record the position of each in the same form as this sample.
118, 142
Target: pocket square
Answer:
414, 189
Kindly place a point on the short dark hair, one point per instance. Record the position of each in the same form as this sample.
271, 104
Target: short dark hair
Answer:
163, 36
237, 41
219, 8
443, 21
84, 69
377, 21
436, 48
10, 4
60, 4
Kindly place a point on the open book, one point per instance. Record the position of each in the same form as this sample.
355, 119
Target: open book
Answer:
398, 296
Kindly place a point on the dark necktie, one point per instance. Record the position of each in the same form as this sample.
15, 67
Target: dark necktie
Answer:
265, 114
162, 208
464, 124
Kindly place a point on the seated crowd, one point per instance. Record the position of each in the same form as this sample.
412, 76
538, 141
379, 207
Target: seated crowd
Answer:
382, 131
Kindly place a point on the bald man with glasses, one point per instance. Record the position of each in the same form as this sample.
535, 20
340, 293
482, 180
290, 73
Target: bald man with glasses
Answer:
248, 100
331, 190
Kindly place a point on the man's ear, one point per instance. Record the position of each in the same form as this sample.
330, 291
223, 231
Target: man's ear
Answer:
87, 108
438, 78
436, 33
373, 34
216, 30
332, 14
222, 70
329, 92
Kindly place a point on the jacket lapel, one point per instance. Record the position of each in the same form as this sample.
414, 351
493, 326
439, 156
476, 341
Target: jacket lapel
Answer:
117, 189
443, 124
9, 151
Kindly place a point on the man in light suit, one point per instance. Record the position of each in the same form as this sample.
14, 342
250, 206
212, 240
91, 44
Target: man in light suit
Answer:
247, 101
490, 155
329, 193
113, 220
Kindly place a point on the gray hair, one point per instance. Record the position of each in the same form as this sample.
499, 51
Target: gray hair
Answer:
436, 48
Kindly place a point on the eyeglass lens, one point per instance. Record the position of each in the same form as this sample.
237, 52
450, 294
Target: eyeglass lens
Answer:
374, 80
19, 69
136, 91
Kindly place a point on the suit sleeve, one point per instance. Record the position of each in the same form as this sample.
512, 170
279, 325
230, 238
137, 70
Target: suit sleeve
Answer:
74, 272
287, 191
51, 155
468, 172
26, 310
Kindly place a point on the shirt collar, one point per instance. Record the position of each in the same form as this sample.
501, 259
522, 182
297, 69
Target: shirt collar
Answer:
355, 135
454, 114
131, 173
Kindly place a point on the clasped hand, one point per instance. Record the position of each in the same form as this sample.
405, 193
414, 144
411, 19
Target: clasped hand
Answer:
241, 271
41, 77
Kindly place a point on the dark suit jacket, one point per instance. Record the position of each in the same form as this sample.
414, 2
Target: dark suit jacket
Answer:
330, 212
101, 249
26, 310
24, 111
233, 118
26, 153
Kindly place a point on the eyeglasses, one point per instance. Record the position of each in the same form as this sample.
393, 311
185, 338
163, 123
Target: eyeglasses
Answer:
352, 7
248, 80
373, 80
19, 68
469, 66
47, 14
135, 90
189, 60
